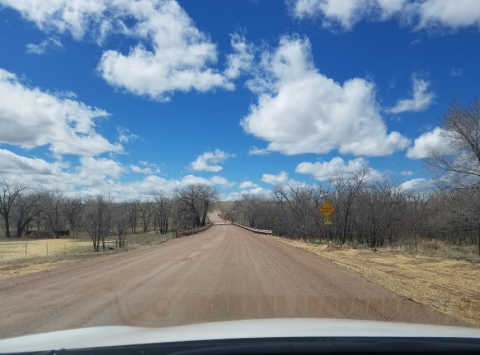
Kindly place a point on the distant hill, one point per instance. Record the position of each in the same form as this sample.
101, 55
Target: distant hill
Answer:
224, 205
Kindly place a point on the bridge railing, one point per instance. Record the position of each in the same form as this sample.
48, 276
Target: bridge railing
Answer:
192, 231
259, 231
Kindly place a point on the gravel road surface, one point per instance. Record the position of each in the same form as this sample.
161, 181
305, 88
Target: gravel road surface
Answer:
225, 273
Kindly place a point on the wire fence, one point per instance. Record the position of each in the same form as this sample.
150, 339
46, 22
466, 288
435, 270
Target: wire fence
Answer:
11, 251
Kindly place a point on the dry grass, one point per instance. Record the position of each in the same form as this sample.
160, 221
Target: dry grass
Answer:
12, 252
447, 284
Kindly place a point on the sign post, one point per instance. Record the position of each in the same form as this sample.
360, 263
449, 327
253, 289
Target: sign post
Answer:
327, 209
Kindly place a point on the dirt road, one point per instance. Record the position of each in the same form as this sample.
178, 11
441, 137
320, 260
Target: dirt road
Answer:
225, 273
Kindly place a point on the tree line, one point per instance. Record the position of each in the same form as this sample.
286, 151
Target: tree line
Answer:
380, 212
25, 211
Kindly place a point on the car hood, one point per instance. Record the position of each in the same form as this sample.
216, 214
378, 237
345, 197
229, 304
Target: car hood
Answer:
261, 328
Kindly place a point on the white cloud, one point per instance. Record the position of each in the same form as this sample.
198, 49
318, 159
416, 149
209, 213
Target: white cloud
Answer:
150, 168
279, 179
214, 180
419, 14
207, 161
31, 118
237, 195
446, 13
406, 173
171, 55
258, 151
147, 170
224, 183
191, 179
241, 60
100, 166
346, 12
324, 171
248, 185
13, 164
178, 60
124, 135
433, 140
421, 100
65, 16
300, 110
42, 47
258, 191
92, 177
417, 185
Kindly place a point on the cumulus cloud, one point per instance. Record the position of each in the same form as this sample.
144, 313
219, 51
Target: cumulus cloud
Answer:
237, 195
171, 54
100, 166
324, 171
147, 170
13, 164
91, 177
418, 14
177, 61
417, 185
428, 142
300, 110
248, 185
124, 135
279, 179
214, 180
42, 47
347, 12
221, 181
421, 100
240, 61
31, 118
258, 151
208, 161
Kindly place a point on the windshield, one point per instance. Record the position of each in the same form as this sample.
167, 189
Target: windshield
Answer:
179, 162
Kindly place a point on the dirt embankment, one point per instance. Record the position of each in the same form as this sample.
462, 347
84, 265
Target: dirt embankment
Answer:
446, 284
225, 273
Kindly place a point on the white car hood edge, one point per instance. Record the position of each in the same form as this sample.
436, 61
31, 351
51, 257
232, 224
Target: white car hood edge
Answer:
261, 328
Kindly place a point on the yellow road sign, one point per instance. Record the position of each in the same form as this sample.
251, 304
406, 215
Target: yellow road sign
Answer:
327, 221
327, 209
273, 220
175, 221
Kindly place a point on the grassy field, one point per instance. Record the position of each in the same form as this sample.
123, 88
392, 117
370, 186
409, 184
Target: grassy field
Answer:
32, 255
447, 284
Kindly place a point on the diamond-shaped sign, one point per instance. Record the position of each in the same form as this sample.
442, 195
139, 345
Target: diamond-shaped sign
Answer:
327, 209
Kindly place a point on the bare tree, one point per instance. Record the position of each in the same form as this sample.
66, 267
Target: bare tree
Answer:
195, 201
27, 208
133, 214
120, 221
54, 212
97, 218
73, 213
146, 212
9, 192
458, 167
163, 208
458, 161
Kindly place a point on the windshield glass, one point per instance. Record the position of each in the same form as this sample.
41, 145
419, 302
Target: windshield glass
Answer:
177, 162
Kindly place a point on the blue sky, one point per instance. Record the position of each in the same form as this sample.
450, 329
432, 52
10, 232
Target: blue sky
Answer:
132, 97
